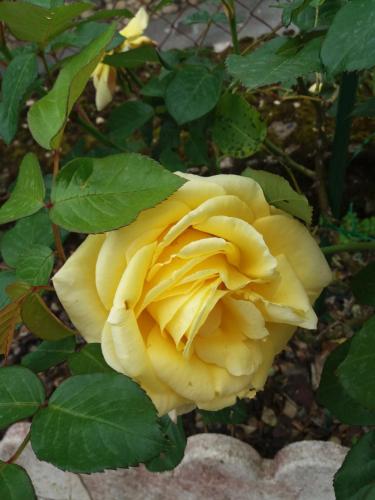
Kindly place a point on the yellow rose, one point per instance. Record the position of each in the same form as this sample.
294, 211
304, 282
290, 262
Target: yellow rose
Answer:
104, 76
195, 298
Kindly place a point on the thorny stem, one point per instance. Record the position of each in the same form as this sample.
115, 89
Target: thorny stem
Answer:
269, 145
55, 228
353, 246
20, 449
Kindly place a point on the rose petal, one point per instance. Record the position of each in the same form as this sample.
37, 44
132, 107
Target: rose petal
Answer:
285, 235
75, 286
256, 260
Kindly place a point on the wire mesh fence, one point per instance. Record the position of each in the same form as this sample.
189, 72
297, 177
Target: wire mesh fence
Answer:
194, 23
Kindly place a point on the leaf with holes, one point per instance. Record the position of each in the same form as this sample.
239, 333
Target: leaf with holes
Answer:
193, 92
48, 116
267, 65
110, 422
238, 129
92, 195
28, 195
21, 394
49, 354
15, 484
279, 193
41, 321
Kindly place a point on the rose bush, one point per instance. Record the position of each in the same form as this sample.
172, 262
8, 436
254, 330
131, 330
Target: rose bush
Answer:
195, 298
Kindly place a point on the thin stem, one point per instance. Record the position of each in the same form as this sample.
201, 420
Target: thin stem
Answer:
3, 44
353, 246
55, 229
20, 449
46, 67
288, 160
230, 8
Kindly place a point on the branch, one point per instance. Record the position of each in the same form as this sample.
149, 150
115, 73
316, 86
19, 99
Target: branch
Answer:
353, 246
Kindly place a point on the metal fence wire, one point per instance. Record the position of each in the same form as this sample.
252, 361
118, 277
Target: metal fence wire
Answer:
193, 23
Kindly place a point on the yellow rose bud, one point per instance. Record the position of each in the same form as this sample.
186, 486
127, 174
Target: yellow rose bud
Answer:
195, 298
104, 76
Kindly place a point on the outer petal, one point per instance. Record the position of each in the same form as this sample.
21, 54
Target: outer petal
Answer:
245, 189
192, 379
124, 350
75, 287
285, 235
104, 78
136, 26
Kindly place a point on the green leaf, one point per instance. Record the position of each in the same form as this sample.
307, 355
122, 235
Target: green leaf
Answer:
22, 19
350, 41
100, 194
292, 9
88, 360
28, 194
15, 484
19, 76
35, 266
48, 116
133, 58
193, 92
157, 86
309, 19
29, 231
355, 478
41, 321
266, 65
49, 354
333, 396
47, 4
6, 278
174, 449
235, 414
108, 14
127, 118
357, 371
363, 285
278, 192
21, 394
109, 420
238, 129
